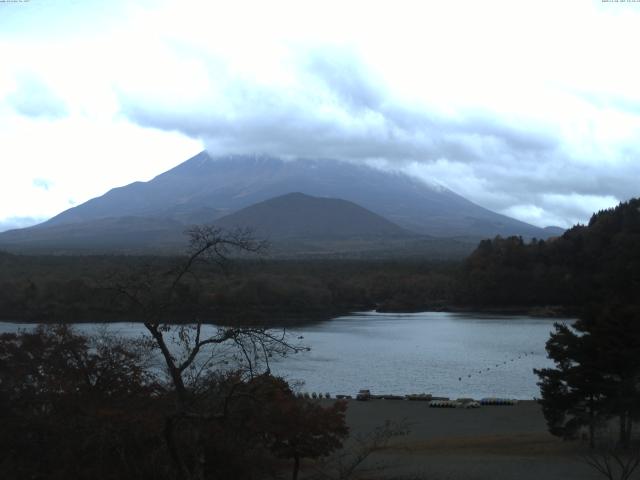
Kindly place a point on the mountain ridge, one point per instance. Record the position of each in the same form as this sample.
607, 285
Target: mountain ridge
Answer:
222, 185
204, 189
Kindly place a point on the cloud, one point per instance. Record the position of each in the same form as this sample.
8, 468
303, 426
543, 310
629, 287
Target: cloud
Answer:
342, 74
334, 106
41, 183
47, 163
34, 98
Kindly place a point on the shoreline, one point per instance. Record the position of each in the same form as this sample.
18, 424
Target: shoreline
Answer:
293, 319
541, 311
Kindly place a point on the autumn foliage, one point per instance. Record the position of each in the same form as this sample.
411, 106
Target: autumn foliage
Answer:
79, 407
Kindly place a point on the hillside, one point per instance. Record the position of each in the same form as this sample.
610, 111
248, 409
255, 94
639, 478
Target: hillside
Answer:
598, 262
123, 234
296, 215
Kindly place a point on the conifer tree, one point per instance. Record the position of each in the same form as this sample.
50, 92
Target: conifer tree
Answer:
597, 373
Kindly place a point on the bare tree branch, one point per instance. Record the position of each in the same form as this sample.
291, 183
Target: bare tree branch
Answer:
614, 463
155, 294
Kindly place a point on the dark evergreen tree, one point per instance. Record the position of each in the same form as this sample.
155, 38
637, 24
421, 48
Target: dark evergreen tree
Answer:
573, 392
597, 374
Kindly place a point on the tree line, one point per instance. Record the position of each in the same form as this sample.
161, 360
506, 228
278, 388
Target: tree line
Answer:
594, 263
54, 289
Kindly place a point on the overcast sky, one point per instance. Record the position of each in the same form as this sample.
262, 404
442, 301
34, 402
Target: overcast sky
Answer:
529, 108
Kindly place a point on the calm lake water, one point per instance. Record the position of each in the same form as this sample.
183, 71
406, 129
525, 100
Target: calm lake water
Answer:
446, 354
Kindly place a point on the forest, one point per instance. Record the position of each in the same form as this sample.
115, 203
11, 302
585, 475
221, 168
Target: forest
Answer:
71, 289
588, 263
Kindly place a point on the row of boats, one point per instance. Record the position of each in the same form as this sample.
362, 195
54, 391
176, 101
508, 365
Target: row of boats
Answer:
434, 402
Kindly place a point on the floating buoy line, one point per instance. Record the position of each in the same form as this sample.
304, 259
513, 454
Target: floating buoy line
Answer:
520, 356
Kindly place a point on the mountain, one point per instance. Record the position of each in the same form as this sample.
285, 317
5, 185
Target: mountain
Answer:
123, 234
300, 216
297, 226
204, 188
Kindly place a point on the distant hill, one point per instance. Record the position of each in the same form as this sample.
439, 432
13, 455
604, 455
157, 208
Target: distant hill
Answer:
300, 216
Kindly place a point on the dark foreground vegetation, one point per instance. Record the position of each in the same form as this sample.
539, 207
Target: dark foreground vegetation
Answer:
92, 408
597, 375
175, 404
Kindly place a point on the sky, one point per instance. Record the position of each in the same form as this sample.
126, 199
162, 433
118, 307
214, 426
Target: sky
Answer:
528, 108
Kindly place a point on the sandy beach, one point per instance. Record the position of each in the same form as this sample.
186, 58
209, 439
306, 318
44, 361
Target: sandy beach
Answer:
491, 442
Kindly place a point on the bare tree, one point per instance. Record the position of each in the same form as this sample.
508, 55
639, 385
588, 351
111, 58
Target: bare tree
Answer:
348, 462
614, 463
190, 349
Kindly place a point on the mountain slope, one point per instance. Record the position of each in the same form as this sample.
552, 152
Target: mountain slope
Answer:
296, 215
205, 188
122, 234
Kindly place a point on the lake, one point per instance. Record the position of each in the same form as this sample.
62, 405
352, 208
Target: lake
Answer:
446, 354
